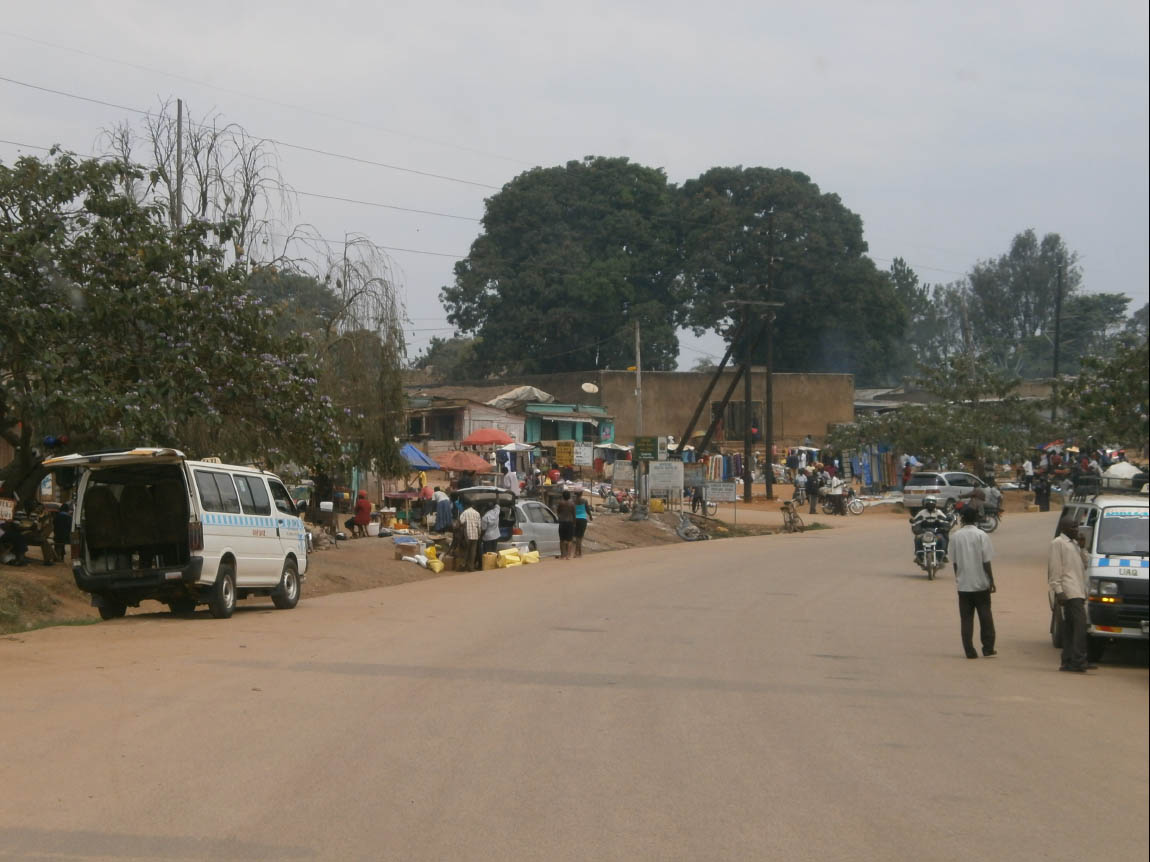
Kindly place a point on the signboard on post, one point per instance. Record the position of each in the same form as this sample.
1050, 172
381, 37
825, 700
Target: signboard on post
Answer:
666, 476
720, 492
584, 454
694, 475
622, 471
647, 448
565, 453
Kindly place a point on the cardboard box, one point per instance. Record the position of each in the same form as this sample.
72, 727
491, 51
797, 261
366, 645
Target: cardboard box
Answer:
407, 549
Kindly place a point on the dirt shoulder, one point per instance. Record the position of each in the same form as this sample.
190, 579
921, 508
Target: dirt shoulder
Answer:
36, 595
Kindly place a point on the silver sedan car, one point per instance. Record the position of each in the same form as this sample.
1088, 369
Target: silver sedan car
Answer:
526, 521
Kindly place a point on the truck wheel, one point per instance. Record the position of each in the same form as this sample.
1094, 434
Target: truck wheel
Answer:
1056, 628
1095, 648
182, 607
286, 595
222, 601
112, 610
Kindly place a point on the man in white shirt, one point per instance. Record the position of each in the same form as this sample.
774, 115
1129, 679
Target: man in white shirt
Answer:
1066, 575
510, 481
971, 553
835, 492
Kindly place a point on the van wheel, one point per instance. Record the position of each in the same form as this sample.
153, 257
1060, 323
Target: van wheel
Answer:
1056, 628
222, 601
112, 610
286, 595
182, 607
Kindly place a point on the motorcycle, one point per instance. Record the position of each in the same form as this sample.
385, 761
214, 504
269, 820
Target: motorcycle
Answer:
989, 521
930, 561
852, 503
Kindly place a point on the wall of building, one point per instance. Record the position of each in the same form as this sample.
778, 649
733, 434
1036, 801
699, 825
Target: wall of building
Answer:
803, 403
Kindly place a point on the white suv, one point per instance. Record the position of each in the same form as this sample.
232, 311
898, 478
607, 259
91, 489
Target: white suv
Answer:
150, 524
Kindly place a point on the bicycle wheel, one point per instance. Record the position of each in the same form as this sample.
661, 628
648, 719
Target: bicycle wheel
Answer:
795, 525
712, 508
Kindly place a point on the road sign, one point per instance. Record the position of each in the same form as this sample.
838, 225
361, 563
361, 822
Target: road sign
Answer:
720, 492
647, 448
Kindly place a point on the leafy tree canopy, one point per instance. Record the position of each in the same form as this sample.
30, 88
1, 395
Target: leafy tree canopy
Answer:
1110, 400
568, 259
121, 330
839, 314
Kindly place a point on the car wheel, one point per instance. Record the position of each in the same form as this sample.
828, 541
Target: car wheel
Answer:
531, 547
1056, 629
222, 601
286, 595
180, 607
112, 610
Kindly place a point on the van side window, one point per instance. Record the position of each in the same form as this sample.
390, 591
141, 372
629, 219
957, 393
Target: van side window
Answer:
253, 495
209, 494
282, 498
217, 492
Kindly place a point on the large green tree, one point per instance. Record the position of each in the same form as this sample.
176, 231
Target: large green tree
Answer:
744, 227
1110, 400
569, 259
977, 415
122, 329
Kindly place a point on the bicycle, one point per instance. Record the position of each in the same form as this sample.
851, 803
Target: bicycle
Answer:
792, 523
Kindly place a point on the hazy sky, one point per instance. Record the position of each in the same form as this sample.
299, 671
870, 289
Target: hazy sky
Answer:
948, 127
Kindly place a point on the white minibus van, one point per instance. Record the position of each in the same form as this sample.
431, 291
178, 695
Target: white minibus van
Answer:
150, 524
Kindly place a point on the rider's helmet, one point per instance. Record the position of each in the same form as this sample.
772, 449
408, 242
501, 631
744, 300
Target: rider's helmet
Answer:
930, 503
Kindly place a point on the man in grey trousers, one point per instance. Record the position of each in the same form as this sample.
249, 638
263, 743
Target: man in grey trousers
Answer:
1066, 575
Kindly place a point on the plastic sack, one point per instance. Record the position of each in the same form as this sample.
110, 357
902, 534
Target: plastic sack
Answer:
432, 552
530, 557
435, 565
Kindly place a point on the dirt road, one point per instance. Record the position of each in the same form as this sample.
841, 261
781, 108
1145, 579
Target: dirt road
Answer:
786, 697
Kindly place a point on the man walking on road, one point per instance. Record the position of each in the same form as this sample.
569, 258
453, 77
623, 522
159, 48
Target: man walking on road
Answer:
971, 552
1066, 575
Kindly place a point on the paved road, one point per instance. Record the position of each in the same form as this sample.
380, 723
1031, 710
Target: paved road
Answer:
785, 697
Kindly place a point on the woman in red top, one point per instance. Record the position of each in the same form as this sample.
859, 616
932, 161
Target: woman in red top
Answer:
362, 514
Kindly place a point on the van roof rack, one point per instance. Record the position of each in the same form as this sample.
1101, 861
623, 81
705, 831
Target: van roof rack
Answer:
1093, 486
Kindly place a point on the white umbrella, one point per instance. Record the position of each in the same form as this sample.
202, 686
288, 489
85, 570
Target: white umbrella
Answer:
516, 447
1123, 470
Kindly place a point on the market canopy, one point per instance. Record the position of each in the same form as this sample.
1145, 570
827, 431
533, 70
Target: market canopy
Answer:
486, 437
463, 462
416, 459
516, 447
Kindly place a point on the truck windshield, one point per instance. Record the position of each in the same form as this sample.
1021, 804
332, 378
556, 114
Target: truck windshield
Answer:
1125, 532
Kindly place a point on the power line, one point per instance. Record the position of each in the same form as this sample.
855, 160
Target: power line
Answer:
387, 206
270, 101
276, 141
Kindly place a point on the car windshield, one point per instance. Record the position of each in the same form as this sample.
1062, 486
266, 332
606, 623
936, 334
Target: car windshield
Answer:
923, 479
1124, 532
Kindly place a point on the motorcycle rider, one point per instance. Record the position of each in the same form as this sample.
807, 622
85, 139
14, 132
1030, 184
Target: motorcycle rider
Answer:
930, 517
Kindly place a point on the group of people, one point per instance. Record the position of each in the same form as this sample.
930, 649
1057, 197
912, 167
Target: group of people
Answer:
809, 481
50, 530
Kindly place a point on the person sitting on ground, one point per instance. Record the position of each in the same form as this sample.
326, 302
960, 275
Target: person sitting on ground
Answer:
362, 516
12, 539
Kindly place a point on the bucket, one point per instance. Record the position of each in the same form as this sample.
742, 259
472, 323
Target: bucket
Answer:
373, 529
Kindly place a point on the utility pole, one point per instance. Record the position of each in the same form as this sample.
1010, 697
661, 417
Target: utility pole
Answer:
179, 215
638, 385
769, 396
748, 443
1057, 342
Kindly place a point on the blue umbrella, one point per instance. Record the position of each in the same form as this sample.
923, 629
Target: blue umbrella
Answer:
416, 459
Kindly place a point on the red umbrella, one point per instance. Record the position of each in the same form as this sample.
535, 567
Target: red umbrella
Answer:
462, 461
487, 436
